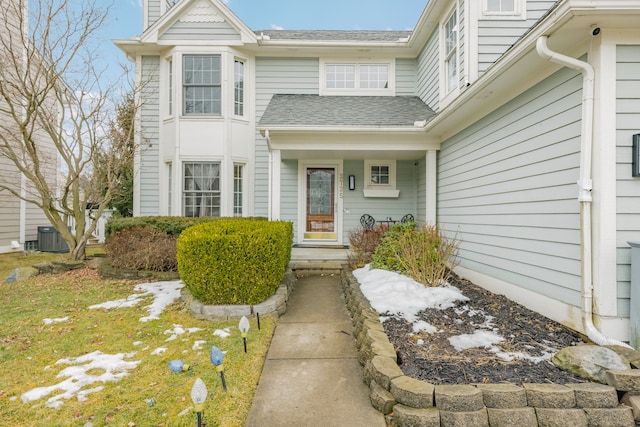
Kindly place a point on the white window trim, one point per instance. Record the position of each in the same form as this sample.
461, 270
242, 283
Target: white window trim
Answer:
380, 190
388, 91
520, 12
447, 96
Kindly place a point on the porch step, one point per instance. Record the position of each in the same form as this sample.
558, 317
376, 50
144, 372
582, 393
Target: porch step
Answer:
308, 267
318, 260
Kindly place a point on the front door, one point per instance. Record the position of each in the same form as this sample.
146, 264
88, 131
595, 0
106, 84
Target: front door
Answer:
320, 203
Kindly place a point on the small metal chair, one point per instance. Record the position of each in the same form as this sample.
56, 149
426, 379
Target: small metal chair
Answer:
367, 222
407, 218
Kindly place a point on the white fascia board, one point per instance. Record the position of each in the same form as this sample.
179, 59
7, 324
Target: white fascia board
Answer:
317, 129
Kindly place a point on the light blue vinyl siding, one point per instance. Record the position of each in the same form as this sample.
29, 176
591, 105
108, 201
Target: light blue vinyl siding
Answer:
405, 77
627, 187
461, 46
507, 186
153, 11
201, 31
289, 194
278, 76
496, 36
150, 113
428, 73
421, 186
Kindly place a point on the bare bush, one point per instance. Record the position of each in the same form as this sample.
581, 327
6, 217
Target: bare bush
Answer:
362, 245
142, 248
423, 253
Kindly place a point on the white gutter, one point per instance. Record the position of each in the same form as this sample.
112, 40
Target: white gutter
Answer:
585, 185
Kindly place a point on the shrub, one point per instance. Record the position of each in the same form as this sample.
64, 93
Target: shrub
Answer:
362, 245
422, 253
172, 225
142, 248
234, 261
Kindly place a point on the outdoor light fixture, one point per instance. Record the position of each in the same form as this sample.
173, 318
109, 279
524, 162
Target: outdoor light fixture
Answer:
217, 358
198, 396
635, 163
352, 182
244, 328
178, 366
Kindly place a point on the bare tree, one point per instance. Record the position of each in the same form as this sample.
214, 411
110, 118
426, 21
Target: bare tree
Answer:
55, 112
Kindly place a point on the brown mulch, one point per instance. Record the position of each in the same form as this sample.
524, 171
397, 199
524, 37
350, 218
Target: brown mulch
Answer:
431, 357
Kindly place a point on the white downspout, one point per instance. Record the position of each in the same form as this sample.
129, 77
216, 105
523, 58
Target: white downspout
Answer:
585, 185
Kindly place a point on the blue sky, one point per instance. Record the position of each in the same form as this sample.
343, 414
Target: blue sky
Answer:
126, 17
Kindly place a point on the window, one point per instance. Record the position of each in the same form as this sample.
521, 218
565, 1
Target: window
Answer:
374, 76
380, 178
504, 9
341, 76
201, 189
501, 6
170, 79
201, 82
379, 175
238, 178
356, 78
451, 52
238, 88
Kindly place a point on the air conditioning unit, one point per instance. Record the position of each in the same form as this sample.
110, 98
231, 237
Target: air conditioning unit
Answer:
49, 240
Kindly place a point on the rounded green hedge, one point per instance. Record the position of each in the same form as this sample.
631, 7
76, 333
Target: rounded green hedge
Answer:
234, 261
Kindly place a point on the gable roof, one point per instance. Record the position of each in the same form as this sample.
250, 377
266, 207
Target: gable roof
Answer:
313, 111
198, 10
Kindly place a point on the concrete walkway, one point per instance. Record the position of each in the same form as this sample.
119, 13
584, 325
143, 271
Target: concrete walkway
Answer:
311, 376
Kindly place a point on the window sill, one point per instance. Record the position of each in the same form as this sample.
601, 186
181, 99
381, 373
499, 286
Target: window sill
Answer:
392, 194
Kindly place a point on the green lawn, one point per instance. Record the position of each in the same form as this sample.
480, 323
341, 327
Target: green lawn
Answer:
151, 394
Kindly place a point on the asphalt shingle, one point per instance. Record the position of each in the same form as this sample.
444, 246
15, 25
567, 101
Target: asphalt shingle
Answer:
344, 111
335, 35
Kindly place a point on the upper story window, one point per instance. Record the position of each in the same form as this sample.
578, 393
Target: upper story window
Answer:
238, 88
201, 84
451, 53
356, 78
504, 9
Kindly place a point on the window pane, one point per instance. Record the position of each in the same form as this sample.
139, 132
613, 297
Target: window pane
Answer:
201, 80
452, 72
237, 190
451, 34
340, 76
201, 193
374, 76
501, 6
380, 175
238, 89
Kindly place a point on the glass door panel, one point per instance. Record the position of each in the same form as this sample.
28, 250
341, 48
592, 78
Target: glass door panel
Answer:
320, 203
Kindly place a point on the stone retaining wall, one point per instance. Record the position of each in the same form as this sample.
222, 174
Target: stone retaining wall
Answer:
275, 305
418, 403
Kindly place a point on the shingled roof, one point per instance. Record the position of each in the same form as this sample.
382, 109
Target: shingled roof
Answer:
344, 111
335, 35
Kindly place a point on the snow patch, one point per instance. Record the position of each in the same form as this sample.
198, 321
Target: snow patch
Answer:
114, 366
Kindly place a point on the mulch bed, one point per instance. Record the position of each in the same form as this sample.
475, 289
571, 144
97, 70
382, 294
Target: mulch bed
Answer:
431, 357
